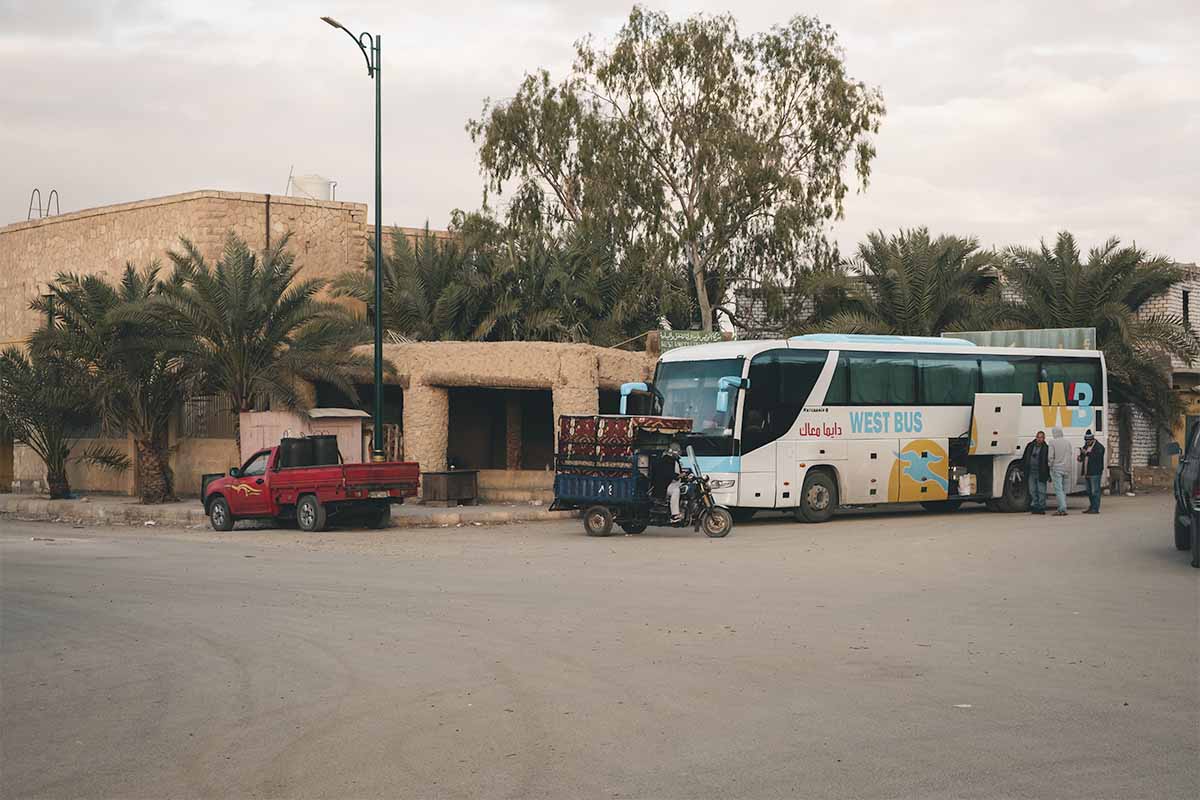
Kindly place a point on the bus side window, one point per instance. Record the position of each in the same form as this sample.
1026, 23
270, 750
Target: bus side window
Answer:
1015, 375
839, 386
883, 379
780, 383
948, 380
1074, 370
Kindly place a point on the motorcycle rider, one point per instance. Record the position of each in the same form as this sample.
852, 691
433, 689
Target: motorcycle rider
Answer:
666, 478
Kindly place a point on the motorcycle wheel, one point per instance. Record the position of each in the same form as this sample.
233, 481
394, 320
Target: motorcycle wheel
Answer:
717, 523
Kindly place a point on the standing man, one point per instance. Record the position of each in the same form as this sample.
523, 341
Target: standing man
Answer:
1091, 456
1060, 467
1037, 472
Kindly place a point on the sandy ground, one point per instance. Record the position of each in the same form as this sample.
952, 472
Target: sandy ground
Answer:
880, 655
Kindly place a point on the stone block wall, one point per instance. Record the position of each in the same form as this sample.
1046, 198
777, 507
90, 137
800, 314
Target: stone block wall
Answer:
1143, 443
1172, 303
327, 238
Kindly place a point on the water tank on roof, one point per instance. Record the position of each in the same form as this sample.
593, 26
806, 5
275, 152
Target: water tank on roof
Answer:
313, 187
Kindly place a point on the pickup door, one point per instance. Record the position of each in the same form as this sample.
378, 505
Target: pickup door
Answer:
249, 495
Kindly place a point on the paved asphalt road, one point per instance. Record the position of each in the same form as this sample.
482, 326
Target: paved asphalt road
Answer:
881, 655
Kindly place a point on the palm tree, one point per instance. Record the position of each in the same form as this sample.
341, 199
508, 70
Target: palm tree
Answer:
1056, 289
912, 285
535, 286
44, 399
138, 374
487, 284
254, 329
415, 274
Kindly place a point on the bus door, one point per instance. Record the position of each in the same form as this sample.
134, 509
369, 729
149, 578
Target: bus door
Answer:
780, 383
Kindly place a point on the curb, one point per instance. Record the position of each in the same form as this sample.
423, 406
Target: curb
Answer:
191, 514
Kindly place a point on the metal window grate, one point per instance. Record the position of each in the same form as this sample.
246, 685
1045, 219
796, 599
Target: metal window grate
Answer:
207, 418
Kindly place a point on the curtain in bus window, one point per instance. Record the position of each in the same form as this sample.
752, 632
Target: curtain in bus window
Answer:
780, 382
948, 381
883, 380
1017, 375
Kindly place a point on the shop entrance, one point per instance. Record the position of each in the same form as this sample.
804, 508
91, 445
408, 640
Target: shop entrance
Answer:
501, 429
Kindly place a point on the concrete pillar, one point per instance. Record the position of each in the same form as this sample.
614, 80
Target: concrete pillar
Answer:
576, 391
512, 429
574, 400
426, 425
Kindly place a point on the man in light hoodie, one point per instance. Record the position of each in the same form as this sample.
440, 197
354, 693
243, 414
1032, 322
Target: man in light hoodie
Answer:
1060, 467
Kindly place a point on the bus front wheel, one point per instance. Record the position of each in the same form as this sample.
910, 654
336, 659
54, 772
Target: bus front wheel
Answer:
818, 498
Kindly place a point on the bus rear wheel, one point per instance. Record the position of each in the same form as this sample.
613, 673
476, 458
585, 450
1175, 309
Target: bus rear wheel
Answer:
818, 498
1016, 494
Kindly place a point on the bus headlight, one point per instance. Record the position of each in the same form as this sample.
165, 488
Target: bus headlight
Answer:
722, 484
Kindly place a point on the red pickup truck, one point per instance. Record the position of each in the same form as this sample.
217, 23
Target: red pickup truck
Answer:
263, 489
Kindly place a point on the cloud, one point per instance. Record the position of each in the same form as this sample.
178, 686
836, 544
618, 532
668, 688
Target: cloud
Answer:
1004, 122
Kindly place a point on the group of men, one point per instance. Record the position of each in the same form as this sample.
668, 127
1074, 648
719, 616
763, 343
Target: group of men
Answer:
1051, 462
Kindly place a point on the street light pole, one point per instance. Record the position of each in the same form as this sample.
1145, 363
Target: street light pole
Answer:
371, 52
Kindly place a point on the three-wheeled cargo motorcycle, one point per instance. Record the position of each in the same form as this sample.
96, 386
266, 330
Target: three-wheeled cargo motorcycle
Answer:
619, 469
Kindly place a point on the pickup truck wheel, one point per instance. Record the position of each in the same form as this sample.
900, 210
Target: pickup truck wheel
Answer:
310, 514
219, 516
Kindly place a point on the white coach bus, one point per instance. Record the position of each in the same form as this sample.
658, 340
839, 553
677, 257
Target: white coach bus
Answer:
820, 421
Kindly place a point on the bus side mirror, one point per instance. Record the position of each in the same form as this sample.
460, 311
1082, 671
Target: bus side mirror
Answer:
724, 385
628, 389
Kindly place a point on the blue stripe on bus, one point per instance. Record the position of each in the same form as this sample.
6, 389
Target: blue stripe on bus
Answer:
719, 463
871, 338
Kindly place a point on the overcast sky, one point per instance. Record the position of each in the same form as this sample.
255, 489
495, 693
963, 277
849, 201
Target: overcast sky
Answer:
1005, 120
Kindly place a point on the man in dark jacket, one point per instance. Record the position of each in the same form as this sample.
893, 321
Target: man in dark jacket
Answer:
1037, 472
1091, 456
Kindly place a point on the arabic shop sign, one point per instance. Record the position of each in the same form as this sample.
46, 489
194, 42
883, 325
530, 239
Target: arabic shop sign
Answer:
669, 340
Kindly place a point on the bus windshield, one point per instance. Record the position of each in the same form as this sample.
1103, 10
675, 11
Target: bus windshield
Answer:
689, 389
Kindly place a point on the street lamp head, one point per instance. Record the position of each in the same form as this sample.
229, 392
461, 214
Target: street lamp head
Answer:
367, 49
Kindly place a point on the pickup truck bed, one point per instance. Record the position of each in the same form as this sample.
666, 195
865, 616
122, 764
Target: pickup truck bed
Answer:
345, 481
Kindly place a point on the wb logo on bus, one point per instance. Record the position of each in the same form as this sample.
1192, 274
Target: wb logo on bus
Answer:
1055, 411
